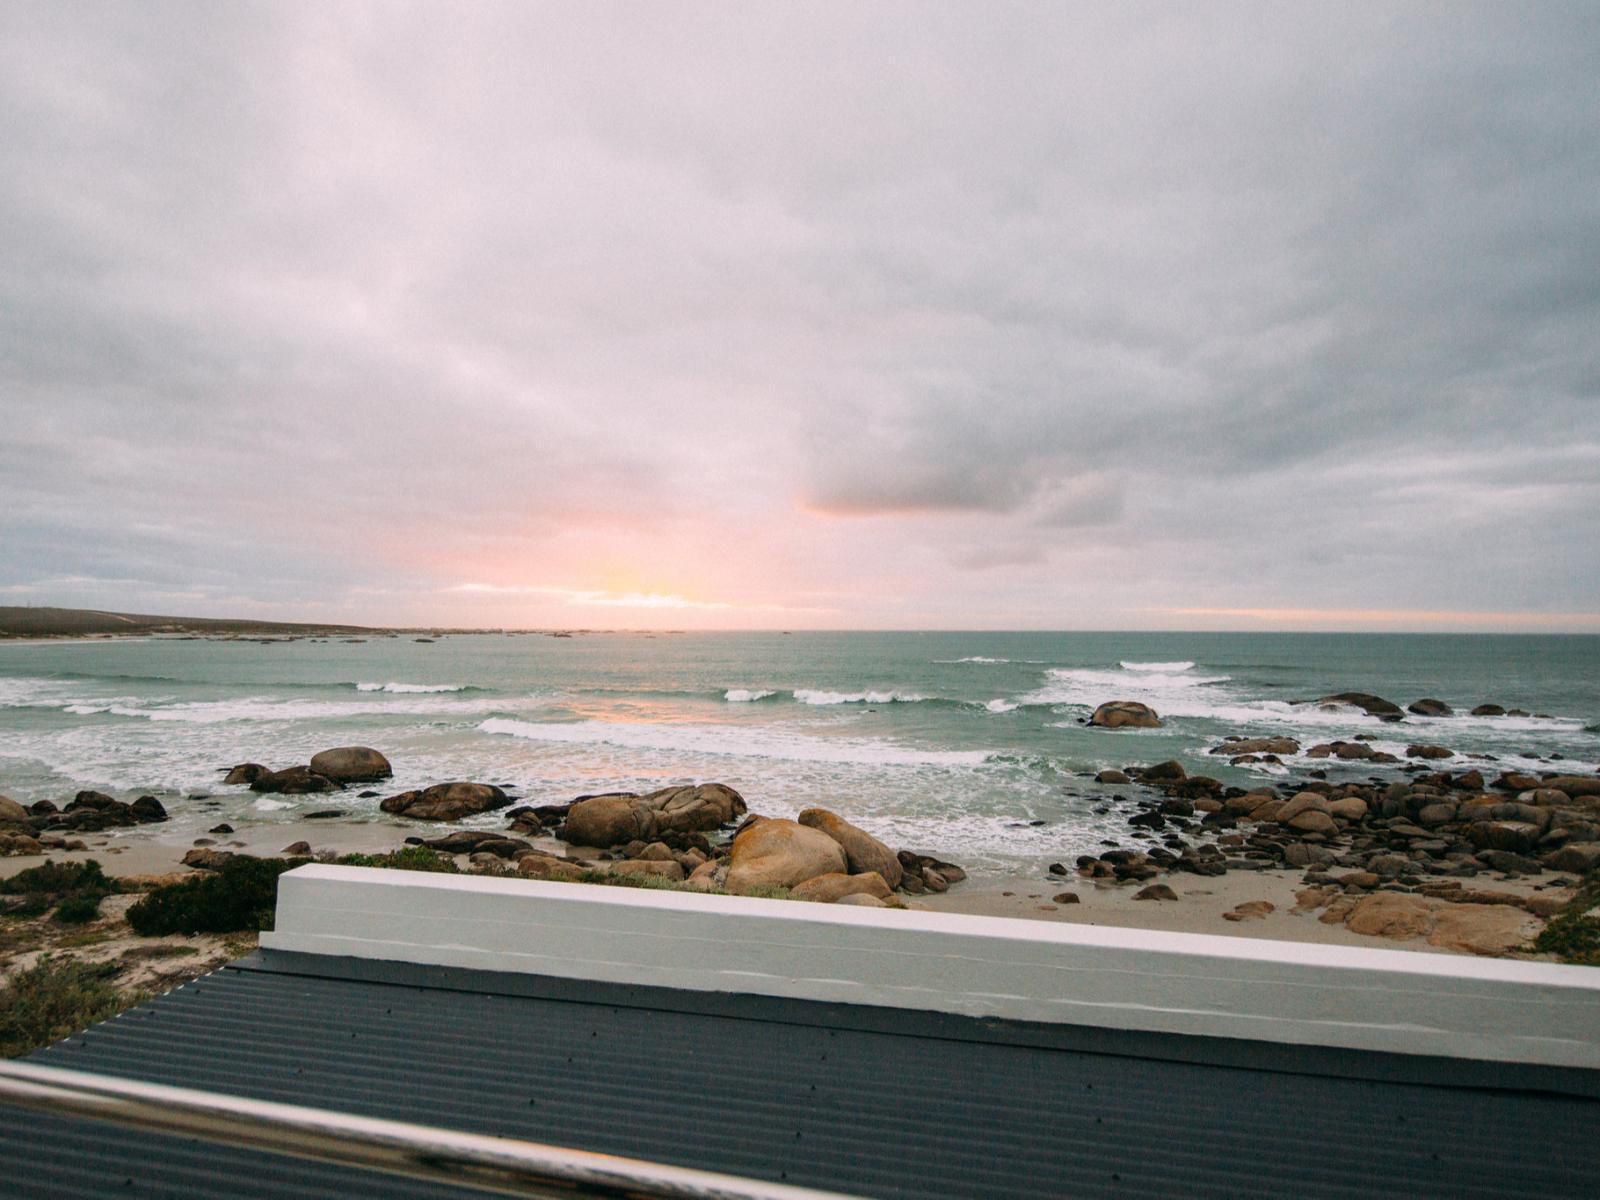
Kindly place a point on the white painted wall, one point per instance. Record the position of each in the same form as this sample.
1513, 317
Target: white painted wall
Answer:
1489, 1009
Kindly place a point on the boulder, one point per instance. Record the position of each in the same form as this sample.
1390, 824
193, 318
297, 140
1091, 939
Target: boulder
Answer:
1170, 771
781, 853
147, 810
12, 812
1301, 802
1575, 786
292, 781
610, 820
1430, 707
863, 900
862, 851
1110, 776
1348, 808
1427, 751
446, 801
1373, 706
1312, 821
470, 841
540, 866
1250, 910
1125, 714
1519, 837
617, 818
831, 888
1488, 710
207, 860
351, 764
1156, 891
245, 773
297, 850
1579, 859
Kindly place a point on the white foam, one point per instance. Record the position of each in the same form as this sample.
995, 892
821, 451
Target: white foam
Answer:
261, 708
268, 804
731, 740
972, 658
746, 695
408, 689
1163, 668
1000, 705
811, 696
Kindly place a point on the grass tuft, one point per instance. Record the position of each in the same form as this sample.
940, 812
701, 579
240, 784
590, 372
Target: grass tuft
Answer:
1573, 934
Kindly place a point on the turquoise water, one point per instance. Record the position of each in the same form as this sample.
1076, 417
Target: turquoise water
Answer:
950, 743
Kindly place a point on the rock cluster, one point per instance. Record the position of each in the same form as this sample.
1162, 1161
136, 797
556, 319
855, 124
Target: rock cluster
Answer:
663, 834
327, 771
446, 801
1420, 836
34, 829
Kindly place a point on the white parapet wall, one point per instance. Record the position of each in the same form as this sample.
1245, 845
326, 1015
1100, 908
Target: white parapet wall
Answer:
1492, 1010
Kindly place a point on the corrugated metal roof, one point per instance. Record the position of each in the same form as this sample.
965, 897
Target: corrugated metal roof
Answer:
891, 1105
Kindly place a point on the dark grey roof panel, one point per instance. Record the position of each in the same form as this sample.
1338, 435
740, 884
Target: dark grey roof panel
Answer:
866, 1110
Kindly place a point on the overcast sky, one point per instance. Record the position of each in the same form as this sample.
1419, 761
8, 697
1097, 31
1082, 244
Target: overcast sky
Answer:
898, 316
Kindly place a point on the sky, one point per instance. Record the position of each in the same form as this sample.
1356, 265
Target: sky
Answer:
939, 315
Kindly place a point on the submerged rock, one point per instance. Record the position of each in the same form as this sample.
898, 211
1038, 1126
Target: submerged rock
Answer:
1374, 706
292, 781
1429, 707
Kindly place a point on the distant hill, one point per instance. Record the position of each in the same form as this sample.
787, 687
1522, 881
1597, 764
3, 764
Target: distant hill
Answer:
86, 622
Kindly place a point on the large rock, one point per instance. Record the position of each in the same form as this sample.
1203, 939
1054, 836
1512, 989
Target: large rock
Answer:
1488, 710
446, 802
245, 773
351, 764
781, 853
1390, 915
1125, 714
12, 812
1374, 706
617, 818
292, 781
1519, 837
1575, 786
1429, 707
862, 851
1429, 751
833, 887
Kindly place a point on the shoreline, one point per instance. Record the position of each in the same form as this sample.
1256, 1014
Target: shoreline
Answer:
143, 854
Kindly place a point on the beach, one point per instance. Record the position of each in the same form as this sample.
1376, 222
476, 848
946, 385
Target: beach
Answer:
978, 751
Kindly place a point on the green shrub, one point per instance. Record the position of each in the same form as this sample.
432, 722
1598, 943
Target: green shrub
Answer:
407, 858
240, 895
77, 887
77, 910
52, 1000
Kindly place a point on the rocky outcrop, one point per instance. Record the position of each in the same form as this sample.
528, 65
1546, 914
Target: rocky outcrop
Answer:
863, 852
11, 812
778, 853
351, 764
1373, 706
244, 773
446, 802
1125, 714
621, 817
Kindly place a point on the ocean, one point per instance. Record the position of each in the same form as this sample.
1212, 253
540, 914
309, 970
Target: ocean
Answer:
968, 746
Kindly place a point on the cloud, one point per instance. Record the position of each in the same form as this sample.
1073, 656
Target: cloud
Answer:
1067, 307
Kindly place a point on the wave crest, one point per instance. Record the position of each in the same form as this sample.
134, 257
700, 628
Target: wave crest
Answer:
813, 696
747, 695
